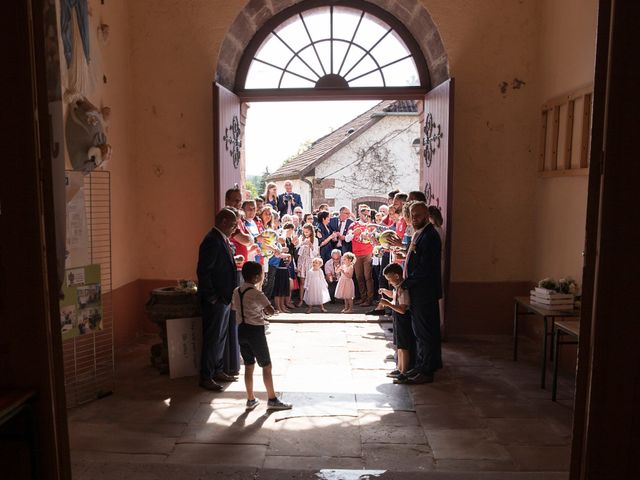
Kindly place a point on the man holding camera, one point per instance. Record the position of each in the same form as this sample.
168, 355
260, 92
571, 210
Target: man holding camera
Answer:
288, 200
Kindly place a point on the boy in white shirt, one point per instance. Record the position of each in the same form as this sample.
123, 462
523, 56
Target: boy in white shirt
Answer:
251, 307
403, 337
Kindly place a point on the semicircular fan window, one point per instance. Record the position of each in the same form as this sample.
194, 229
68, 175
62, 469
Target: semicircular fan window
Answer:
332, 47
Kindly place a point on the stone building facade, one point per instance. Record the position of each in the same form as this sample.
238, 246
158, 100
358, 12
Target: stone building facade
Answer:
360, 161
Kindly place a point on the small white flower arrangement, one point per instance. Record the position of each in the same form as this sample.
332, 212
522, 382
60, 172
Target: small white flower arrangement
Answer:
564, 285
567, 285
549, 283
187, 286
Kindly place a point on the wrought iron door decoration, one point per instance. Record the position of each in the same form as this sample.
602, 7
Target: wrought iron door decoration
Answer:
428, 192
431, 140
232, 139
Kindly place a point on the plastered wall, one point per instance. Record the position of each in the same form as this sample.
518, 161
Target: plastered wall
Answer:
492, 51
174, 50
397, 134
117, 93
111, 70
163, 54
566, 59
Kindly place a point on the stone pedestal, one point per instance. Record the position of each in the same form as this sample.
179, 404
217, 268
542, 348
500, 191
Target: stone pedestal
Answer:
164, 304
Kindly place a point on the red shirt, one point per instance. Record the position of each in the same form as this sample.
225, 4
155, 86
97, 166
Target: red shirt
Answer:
359, 248
401, 227
240, 248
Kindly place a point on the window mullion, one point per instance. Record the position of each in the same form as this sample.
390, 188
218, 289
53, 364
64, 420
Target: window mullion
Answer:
368, 52
355, 32
306, 29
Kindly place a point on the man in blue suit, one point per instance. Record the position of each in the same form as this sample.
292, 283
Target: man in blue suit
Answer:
216, 281
423, 280
288, 200
341, 225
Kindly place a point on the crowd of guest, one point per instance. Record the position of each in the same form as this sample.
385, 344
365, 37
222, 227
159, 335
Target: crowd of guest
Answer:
309, 258
277, 231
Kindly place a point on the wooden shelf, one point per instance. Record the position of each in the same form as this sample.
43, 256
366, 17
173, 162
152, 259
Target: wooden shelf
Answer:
573, 172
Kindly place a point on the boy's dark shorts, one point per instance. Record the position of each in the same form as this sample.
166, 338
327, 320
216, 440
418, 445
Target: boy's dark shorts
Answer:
403, 335
253, 345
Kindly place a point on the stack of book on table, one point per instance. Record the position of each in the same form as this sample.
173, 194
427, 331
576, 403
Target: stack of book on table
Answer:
543, 297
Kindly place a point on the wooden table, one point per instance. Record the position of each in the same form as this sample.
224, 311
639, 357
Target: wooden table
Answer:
562, 328
12, 404
523, 306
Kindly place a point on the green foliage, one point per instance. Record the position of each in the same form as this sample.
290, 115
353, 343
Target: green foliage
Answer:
262, 182
304, 146
251, 187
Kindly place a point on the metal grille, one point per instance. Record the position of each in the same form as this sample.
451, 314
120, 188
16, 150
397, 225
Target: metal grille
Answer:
89, 359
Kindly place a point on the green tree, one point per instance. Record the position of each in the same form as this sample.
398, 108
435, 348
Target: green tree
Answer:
301, 149
251, 187
263, 181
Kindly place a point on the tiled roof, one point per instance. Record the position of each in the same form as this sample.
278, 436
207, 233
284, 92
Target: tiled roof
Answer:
339, 138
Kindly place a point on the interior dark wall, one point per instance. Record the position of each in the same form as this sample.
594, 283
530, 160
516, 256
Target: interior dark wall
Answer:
30, 343
606, 438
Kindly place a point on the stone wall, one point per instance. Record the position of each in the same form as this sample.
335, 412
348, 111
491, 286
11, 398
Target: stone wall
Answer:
178, 48
256, 13
320, 192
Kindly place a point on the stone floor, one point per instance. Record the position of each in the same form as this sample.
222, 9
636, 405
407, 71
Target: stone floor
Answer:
484, 417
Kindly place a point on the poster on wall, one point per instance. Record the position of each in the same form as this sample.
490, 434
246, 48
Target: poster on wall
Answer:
77, 248
81, 307
184, 341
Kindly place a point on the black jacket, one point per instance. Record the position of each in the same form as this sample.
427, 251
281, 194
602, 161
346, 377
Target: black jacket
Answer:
283, 202
334, 226
217, 276
423, 276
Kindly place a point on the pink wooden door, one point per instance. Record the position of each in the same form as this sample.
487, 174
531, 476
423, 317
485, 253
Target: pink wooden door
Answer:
227, 143
437, 164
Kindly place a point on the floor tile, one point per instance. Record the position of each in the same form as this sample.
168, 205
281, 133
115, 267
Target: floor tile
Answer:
526, 431
194, 453
438, 393
477, 444
438, 417
484, 414
392, 434
308, 436
398, 458
386, 417
124, 438
312, 463
508, 408
541, 458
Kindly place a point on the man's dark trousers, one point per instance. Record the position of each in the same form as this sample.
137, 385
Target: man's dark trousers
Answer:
425, 320
215, 328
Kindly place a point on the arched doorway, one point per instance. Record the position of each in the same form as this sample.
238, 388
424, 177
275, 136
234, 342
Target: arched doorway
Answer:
262, 60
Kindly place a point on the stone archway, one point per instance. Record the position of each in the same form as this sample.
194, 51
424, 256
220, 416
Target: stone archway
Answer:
411, 13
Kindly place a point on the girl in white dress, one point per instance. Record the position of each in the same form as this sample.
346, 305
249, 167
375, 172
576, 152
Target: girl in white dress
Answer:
307, 250
316, 291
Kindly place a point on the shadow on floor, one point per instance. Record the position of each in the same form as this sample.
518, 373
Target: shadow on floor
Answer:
484, 413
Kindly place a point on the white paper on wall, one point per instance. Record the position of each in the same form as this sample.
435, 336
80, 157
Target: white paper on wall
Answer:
184, 340
77, 232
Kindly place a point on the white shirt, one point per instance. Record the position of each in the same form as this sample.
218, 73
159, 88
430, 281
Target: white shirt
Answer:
414, 240
341, 230
253, 303
400, 297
